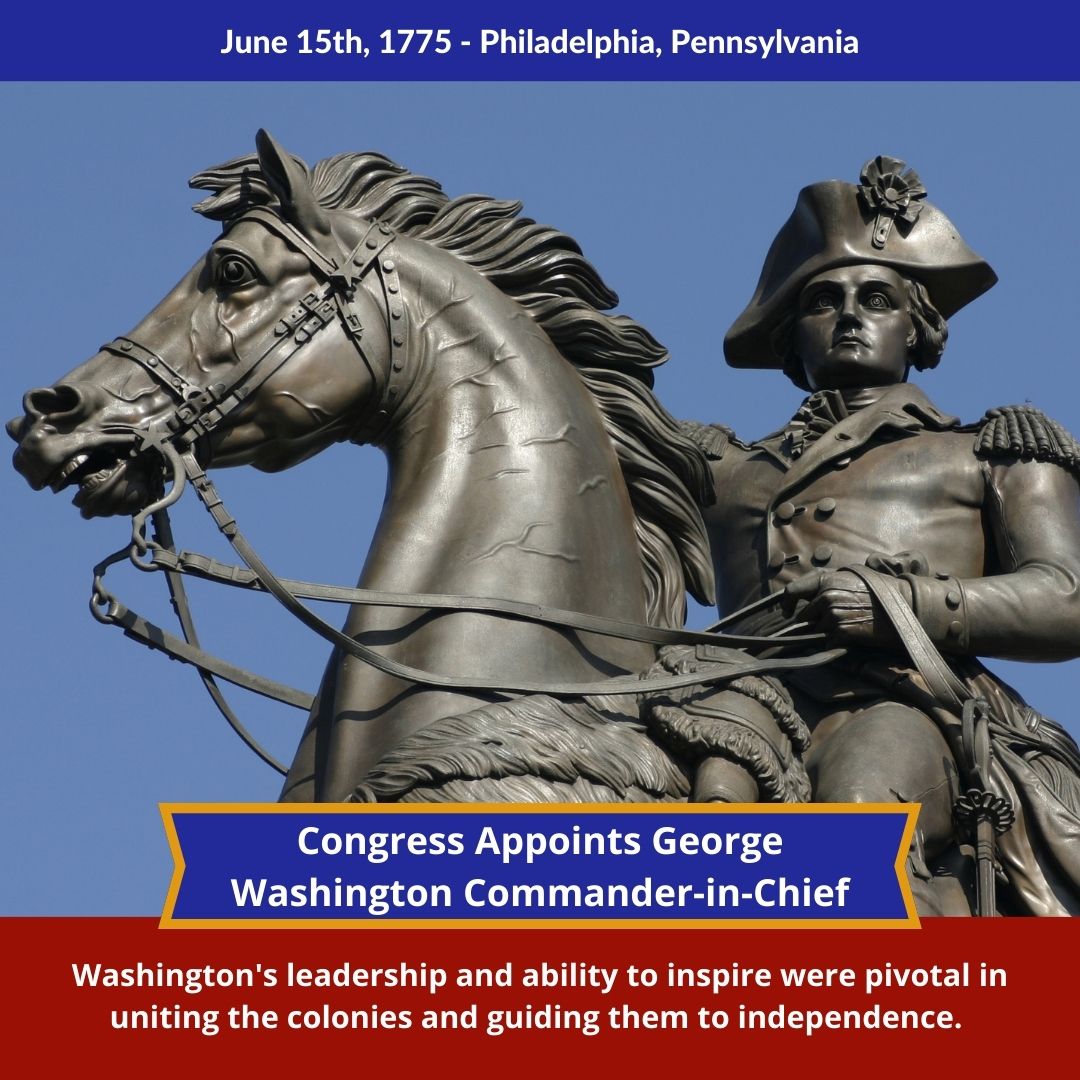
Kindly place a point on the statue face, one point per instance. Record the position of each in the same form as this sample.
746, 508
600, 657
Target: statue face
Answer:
854, 328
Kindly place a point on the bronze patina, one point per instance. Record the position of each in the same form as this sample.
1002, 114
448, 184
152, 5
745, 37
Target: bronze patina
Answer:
542, 522
516, 633
915, 541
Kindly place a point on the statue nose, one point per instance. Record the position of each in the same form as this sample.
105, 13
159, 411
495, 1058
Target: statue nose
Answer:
54, 402
849, 310
14, 428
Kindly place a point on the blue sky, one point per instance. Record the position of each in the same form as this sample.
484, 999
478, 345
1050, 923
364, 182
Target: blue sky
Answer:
673, 191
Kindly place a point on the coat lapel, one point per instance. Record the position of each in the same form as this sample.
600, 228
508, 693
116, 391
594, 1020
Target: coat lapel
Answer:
903, 408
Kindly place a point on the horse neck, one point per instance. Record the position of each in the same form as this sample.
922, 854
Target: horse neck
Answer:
502, 479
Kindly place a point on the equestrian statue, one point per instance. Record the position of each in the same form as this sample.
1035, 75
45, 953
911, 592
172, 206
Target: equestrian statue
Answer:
517, 631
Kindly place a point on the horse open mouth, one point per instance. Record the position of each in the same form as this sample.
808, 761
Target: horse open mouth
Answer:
109, 482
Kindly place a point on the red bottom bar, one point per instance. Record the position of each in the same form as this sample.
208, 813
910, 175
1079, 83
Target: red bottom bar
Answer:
444, 1003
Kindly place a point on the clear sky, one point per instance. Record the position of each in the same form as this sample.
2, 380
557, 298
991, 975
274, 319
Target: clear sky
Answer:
673, 191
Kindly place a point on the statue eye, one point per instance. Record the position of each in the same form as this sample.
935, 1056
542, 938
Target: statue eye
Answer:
233, 271
878, 302
822, 301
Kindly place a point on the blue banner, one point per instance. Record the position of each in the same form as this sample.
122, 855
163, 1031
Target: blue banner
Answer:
511, 865
489, 41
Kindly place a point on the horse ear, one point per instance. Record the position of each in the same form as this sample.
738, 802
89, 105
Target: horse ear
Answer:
289, 181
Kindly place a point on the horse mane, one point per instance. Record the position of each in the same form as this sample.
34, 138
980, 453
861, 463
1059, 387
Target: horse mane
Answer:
545, 271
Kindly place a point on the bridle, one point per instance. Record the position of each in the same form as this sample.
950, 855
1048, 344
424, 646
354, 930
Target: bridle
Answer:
199, 410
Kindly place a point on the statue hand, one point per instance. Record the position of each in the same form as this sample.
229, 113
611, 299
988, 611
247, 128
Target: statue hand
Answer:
838, 603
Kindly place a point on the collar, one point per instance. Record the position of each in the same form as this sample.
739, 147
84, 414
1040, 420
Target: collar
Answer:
817, 416
909, 398
903, 407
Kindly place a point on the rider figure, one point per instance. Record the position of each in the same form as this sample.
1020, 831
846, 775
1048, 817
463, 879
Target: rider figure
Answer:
977, 528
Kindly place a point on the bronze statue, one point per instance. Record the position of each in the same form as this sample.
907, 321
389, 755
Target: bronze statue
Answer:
543, 520
904, 535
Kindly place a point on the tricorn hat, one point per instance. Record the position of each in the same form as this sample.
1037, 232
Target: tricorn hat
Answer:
884, 220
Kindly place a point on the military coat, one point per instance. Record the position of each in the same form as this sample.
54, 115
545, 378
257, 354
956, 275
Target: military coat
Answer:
982, 521
998, 537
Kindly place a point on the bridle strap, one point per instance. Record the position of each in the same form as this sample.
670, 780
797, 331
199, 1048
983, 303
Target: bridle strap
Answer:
106, 608
940, 679
344, 277
205, 568
327, 264
154, 365
199, 410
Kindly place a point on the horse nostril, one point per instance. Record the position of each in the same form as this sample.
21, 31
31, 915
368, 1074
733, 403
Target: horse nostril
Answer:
52, 401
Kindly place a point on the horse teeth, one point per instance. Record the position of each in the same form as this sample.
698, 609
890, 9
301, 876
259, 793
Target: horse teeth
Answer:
72, 466
76, 462
92, 481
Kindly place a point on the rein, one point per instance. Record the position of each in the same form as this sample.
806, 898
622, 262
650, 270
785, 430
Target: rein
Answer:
200, 410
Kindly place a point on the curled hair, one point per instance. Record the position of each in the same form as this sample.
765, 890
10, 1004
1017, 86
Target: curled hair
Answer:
925, 347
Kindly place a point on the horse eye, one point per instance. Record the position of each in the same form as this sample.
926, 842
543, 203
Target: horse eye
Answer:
233, 271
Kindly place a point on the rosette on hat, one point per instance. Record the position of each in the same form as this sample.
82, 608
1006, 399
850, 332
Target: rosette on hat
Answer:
883, 220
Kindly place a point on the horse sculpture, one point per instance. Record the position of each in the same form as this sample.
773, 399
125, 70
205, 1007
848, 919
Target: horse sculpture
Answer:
528, 461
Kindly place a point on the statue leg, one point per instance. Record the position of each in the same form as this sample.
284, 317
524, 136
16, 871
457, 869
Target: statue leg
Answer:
894, 753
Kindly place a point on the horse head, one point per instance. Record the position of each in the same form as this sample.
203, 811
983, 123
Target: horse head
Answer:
266, 351
529, 460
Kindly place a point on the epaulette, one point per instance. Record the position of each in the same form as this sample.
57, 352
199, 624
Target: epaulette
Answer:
1024, 432
713, 439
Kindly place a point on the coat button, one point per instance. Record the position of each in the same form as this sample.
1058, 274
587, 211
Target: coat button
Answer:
952, 599
785, 511
842, 463
826, 507
776, 560
955, 628
822, 553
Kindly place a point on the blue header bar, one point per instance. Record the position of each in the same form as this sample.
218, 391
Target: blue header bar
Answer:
272, 40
